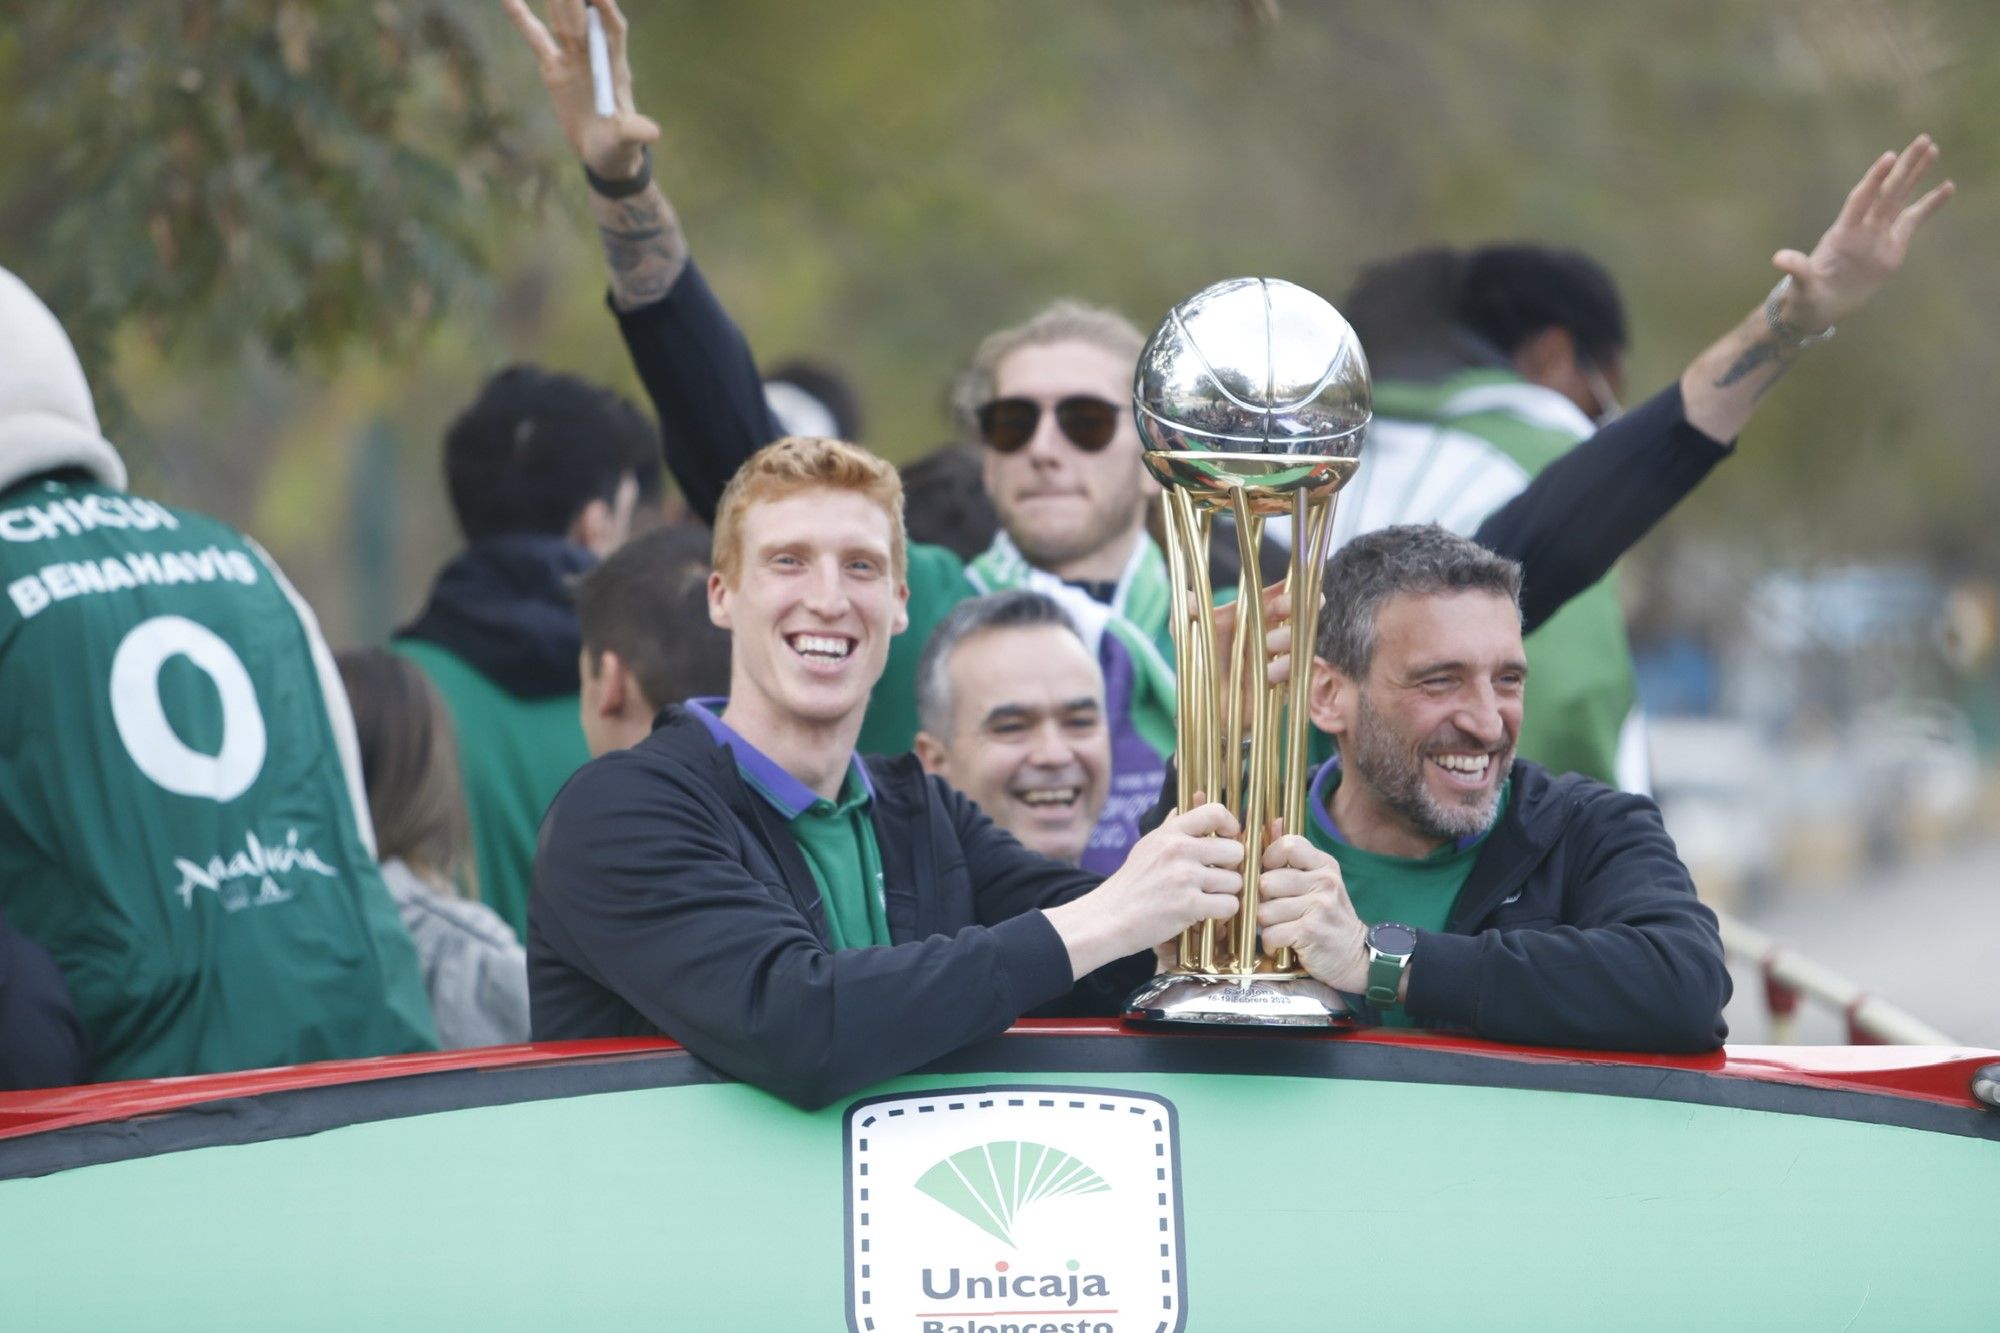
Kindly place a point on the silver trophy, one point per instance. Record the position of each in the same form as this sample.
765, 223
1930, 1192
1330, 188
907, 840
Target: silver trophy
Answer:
1252, 399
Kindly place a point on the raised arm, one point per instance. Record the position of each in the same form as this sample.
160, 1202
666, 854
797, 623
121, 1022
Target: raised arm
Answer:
1859, 253
642, 237
1569, 526
1585, 510
694, 361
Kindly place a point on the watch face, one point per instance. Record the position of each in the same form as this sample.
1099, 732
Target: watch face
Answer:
1393, 937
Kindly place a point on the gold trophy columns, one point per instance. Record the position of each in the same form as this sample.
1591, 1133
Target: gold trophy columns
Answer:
1252, 399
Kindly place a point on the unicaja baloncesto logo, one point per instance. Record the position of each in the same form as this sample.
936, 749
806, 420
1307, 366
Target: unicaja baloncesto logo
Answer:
990, 1184
1005, 1209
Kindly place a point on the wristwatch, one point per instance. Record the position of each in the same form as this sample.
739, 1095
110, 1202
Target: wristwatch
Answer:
1390, 944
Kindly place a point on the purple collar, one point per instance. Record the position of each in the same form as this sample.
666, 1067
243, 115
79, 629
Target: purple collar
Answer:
790, 797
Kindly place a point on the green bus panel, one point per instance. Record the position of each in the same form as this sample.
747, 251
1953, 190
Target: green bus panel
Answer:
1306, 1203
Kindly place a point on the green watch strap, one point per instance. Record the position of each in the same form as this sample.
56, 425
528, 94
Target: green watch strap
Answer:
1385, 975
1385, 980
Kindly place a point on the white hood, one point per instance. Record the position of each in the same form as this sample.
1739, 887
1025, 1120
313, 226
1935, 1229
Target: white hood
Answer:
46, 417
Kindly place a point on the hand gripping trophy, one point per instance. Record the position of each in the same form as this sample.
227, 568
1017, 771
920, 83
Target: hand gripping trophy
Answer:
1252, 398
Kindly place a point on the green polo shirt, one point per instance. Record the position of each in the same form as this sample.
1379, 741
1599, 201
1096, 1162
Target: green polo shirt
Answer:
1417, 891
837, 837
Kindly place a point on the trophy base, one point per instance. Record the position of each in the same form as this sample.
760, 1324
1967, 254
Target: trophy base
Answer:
1226, 1000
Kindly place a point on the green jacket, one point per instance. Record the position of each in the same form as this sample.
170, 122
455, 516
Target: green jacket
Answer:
182, 824
937, 584
514, 755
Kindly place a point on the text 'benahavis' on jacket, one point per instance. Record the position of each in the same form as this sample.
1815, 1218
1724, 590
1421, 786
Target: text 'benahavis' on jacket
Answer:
184, 829
670, 898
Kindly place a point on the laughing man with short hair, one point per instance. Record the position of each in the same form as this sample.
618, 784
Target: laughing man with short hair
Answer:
1450, 883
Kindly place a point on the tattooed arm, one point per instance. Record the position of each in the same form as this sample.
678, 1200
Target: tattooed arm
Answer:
1861, 250
643, 245
642, 237
693, 360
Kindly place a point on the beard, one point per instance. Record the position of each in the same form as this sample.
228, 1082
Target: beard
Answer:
1376, 754
1051, 546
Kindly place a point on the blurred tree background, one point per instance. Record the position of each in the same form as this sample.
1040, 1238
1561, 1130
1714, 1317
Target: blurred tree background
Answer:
293, 237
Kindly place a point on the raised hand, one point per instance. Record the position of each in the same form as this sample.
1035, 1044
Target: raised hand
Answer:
643, 244
1866, 244
611, 146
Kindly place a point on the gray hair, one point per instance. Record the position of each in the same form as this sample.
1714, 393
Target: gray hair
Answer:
1021, 608
1062, 321
1410, 559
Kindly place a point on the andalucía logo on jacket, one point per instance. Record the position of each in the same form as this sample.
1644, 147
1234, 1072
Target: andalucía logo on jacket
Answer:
249, 878
975, 1210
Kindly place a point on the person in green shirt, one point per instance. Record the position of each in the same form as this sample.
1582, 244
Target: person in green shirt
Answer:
543, 472
1574, 922
835, 834
183, 825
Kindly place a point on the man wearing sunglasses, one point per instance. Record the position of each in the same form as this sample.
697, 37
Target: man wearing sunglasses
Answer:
1072, 509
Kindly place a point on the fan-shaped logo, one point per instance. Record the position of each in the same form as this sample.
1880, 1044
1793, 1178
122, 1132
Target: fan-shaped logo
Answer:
989, 1185
1069, 1199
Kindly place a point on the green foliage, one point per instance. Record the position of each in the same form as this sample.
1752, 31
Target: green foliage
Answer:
256, 173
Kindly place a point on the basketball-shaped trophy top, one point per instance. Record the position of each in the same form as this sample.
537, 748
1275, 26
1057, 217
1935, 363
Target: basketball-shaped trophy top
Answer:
1257, 373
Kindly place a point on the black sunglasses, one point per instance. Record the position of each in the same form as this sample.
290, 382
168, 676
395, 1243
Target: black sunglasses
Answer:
1009, 423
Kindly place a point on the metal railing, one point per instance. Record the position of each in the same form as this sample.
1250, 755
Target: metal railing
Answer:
1790, 977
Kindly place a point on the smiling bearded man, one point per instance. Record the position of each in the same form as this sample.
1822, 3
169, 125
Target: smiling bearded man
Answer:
1431, 766
1451, 884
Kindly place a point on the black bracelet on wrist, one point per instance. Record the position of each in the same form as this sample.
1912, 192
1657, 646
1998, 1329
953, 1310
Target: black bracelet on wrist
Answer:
1784, 332
625, 189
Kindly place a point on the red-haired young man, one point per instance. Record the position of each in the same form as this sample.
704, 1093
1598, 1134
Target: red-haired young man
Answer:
805, 920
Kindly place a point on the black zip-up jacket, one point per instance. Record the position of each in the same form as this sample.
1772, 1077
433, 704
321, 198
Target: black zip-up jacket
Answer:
671, 899
1578, 926
503, 604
